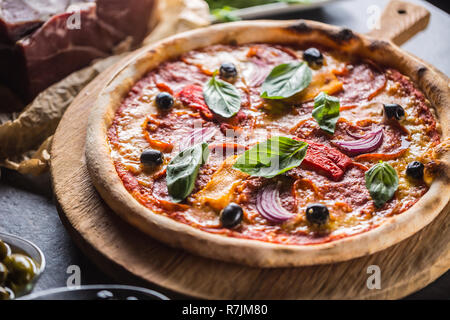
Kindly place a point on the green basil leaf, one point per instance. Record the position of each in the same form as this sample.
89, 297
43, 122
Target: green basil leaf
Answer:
221, 97
225, 14
326, 111
240, 4
272, 157
287, 79
182, 171
382, 182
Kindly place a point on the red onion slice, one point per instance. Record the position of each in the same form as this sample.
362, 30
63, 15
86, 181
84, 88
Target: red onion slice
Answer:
269, 206
357, 136
259, 73
197, 136
367, 143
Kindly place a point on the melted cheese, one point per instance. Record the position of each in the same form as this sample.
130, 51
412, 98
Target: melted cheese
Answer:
219, 191
321, 81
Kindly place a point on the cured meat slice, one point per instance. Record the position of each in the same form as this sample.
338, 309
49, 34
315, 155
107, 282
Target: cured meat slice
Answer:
20, 17
57, 48
178, 75
361, 83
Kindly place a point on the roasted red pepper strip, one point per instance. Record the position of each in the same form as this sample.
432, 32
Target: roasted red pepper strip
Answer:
164, 87
192, 97
386, 156
326, 160
160, 145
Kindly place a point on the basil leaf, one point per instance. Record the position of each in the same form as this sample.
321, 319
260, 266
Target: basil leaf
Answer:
326, 111
272, 157
286, 79
182, 171
382, 182
225, 14
240, 4
221, 97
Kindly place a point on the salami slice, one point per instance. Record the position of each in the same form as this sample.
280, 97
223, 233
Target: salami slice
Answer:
361, 83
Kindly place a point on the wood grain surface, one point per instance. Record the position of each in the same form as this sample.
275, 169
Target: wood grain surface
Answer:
400, 21
128, 255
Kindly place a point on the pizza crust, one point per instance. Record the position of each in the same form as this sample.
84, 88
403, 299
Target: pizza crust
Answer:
251, 252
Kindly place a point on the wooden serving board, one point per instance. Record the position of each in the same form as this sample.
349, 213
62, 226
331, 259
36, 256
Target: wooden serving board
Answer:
133, 257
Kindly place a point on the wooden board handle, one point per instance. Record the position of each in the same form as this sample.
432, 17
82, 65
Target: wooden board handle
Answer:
400, 21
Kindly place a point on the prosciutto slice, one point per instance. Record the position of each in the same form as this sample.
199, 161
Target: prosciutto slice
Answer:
41, 42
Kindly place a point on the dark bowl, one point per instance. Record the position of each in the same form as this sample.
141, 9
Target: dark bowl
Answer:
93, 292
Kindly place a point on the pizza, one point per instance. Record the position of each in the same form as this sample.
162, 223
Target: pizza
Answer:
272, 144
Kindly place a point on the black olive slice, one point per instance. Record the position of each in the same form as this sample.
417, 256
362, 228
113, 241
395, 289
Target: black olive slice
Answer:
317, 213
151, 157
228, 71
164, 101
394, 111
231, 215
415, 170
313, 56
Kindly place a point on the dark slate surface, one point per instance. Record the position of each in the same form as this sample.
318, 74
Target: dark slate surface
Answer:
27, 207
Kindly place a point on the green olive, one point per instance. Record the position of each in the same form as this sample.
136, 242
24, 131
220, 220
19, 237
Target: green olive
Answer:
3, 273
6, 294
21, 268
5, 250
16, 288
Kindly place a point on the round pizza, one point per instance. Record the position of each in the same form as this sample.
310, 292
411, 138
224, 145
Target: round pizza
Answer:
273, 143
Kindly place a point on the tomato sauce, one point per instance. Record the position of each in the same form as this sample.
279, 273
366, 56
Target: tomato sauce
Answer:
327, 175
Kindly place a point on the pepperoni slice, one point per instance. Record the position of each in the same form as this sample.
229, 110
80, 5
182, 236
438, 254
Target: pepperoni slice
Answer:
361, 84
178, 74
192, 97
129, 180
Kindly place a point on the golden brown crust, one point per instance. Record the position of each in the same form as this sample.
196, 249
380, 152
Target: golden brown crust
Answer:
110, 186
